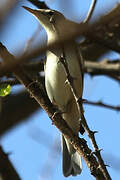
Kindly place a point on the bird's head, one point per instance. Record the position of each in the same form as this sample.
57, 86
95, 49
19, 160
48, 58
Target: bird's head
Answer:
55, 24
47, 17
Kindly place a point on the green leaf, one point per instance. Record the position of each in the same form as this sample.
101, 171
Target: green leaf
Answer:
5, 89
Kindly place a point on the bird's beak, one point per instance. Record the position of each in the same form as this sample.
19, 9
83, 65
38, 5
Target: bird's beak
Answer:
33, 11
40, 15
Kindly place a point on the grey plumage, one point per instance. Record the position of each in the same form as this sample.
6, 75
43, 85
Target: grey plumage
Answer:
59, 93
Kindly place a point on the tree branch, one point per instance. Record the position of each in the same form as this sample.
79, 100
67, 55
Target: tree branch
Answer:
7, 171
103, 67
79, 103
107, 68
37, 92
101, 104
40, 5
90, 12
11, 82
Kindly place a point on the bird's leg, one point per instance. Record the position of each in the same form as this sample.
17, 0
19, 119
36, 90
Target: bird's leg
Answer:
58, 111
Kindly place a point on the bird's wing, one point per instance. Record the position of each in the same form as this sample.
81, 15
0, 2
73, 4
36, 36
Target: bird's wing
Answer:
81, 61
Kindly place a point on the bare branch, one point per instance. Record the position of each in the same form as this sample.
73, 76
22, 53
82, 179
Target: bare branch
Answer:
103, 67
11, 82
79, 103
90, 12
69, 80
7, 171
40, 5
34, 67
101, 104
107, 68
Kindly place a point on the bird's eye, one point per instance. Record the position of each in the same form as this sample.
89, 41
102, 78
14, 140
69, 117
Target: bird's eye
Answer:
50, 13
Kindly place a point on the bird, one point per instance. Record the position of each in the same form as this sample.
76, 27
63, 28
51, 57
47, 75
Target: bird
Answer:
57, 26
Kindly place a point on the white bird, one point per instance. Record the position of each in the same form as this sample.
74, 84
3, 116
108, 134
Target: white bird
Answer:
59, 93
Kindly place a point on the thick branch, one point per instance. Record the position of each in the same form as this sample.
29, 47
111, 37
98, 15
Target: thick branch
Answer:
107, 67
107, 32
7, 171
104, 67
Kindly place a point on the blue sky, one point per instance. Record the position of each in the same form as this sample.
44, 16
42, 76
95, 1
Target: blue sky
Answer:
30, 154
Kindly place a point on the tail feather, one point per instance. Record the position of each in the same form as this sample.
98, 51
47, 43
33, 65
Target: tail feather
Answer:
76, 163
71, 160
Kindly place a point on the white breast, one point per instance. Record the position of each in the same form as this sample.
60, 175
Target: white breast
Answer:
55, 77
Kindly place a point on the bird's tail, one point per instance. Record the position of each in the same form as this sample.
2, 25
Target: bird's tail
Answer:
72, 164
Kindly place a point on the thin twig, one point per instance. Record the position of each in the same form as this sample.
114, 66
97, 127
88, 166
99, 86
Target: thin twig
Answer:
70, 79
90, 12
11, 82
101, 104
97, 151
38, 4
83, 120
114, 77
